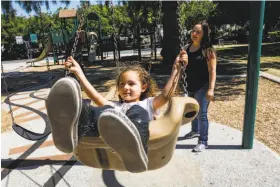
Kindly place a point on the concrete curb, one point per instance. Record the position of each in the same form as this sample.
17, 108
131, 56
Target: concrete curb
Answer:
270, 77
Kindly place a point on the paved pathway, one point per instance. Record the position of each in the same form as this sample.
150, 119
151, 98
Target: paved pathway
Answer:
223, 164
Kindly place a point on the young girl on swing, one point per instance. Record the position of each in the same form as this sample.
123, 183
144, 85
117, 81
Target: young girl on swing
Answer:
123, 125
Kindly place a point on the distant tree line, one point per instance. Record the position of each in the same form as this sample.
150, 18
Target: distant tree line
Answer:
228, 19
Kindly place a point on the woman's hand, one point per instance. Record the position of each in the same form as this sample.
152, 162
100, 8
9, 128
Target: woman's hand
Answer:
73, 66
182, 59
210, 94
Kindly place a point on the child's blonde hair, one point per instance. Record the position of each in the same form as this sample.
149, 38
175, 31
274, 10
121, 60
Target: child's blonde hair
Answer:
144, 78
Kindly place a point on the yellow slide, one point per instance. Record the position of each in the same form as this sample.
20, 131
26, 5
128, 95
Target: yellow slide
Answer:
45, 52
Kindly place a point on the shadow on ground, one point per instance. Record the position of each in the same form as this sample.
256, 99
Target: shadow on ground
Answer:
272, 65
17, 81
99, 73
240, 53
230, 68
229, 89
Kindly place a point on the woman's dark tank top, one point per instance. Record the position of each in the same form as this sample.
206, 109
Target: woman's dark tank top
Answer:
197, 70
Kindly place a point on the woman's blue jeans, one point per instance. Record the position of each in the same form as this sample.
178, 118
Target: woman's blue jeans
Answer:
200, 124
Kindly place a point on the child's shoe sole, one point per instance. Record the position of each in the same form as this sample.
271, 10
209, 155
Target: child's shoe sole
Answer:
64, 104
120, 134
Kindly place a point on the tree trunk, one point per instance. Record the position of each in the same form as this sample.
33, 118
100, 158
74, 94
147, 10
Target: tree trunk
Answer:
171, 42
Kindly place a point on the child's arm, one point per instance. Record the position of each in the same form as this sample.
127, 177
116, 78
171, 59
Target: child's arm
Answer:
91, 92
172, 82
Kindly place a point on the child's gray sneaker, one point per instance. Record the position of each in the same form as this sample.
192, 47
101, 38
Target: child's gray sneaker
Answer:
121, 134
200, 146
191, 135
64, 104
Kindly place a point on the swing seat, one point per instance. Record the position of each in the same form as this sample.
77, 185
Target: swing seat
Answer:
93, 152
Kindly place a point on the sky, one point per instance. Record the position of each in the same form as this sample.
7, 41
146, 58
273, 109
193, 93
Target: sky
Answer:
53, 7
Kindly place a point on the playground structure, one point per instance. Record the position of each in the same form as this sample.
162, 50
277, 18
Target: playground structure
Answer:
31, 46
92, 43
23, 47
57, 40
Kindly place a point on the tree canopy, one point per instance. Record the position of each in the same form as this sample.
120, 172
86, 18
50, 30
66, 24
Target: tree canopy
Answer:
125, 15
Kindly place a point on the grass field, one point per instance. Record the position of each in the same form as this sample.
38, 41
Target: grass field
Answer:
237, 57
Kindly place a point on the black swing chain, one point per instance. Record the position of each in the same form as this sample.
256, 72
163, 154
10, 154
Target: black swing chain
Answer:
181, 34
81, 19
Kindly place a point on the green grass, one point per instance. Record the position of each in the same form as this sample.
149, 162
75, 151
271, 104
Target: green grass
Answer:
238, 58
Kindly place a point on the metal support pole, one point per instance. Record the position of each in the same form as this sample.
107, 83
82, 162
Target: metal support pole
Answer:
253, 68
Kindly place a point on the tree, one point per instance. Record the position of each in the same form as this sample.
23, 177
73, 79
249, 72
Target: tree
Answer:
231, 12
106, 16
194, 11
12, 27
7, 9
9, 14
271, 16
227, 14
28, 6
171, 43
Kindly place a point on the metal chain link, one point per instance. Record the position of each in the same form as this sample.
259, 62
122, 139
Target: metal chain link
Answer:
183, 67
180, 25
81, 19
8, 94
